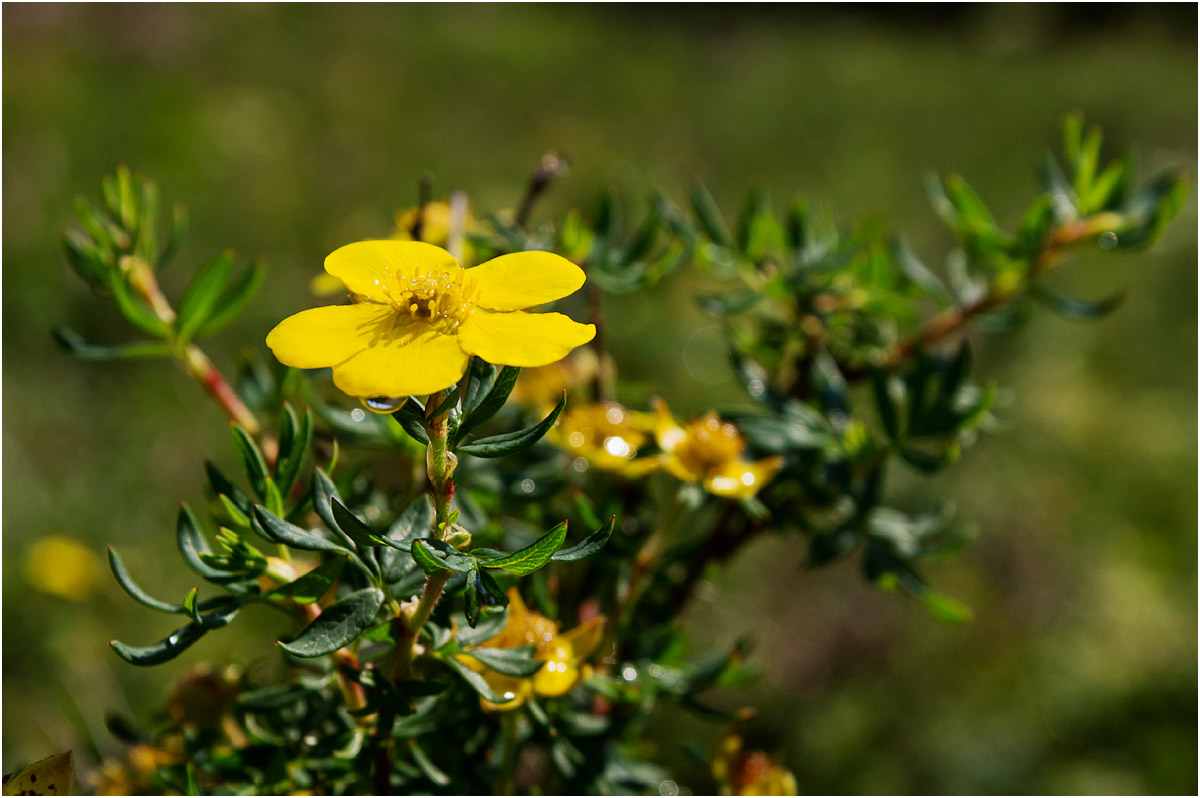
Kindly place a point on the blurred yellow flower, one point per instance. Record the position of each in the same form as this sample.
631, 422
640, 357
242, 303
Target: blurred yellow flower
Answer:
709, 450
540, 388
607, 435
63, 567
418, 317
564, 654
741, 772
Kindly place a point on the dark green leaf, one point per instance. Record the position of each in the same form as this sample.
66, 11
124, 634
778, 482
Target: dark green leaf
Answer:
233, 300
436, 555
337, 625
426, 765
912, 267
412, 418
201, 296
276, 696
512, 442
191, 544
883, 383
484, 597
281, 531
1078, 308
486, 629
295, 435
309, 588
83, 349
136, 593
355, 528
535, 555
589, 546
509, 661
85, 259
164, 650
324, 492
252, 459
490, 403
477, 682
223, 486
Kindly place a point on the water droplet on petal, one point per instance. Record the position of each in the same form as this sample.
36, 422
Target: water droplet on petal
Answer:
509, 696
384, 404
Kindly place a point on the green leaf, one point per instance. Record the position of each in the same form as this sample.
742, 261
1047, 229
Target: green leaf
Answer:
309, 588
133, 309
136, 593
223, 486
484, 597
252, 459
164, 650
201, 296
709, 216
324, 492
533, 556
477, 682
589, 546
355, 528
512, 442
490, 403
281, 531
436, 555
295, 435
912, 267
83, 349
517, 662
233, 300
431, 771
883, 385
85, 259
411, 417
337, 625
191, 545
1078, 308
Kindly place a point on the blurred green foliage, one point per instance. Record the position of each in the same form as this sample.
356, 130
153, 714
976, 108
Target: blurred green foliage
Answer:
289, 130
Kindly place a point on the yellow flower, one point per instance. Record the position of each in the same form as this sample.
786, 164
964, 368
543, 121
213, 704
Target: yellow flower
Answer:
607, 435
418, 317
564, 654
709, 450
435, 227
541, 388
63, 567
741, 772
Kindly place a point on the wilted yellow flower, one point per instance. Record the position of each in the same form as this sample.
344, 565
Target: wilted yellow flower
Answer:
418, 317
709, 451
63, 567
607, 434
564, 654
741, 772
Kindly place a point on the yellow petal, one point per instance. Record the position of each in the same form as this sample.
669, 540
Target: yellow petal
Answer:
374, 269
738, 479
521, 339
559, 674
584, 639
667, 431
321, 337
524, 279
421, 362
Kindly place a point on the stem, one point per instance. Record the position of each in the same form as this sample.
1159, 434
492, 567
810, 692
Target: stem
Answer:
508, 765
201, 369
549, 169
647, 561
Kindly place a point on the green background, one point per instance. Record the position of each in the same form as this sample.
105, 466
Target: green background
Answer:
290, 130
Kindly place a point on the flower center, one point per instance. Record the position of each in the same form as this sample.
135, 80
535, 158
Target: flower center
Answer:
443, 298
708, 443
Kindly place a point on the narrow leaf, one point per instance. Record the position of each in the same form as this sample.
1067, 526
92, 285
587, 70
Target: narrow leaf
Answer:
338, 625
164, 650
511, 442
491, 402
224, 486
709, 216
136, 593
291, 535
589, 546
233, 300
355, 528
484, 597
1074, 308
411, 417
509, 661
436, 555
535, 555
476, 681
324, 492
83, 349
252, 459
201, 296
133, 309
309, 588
